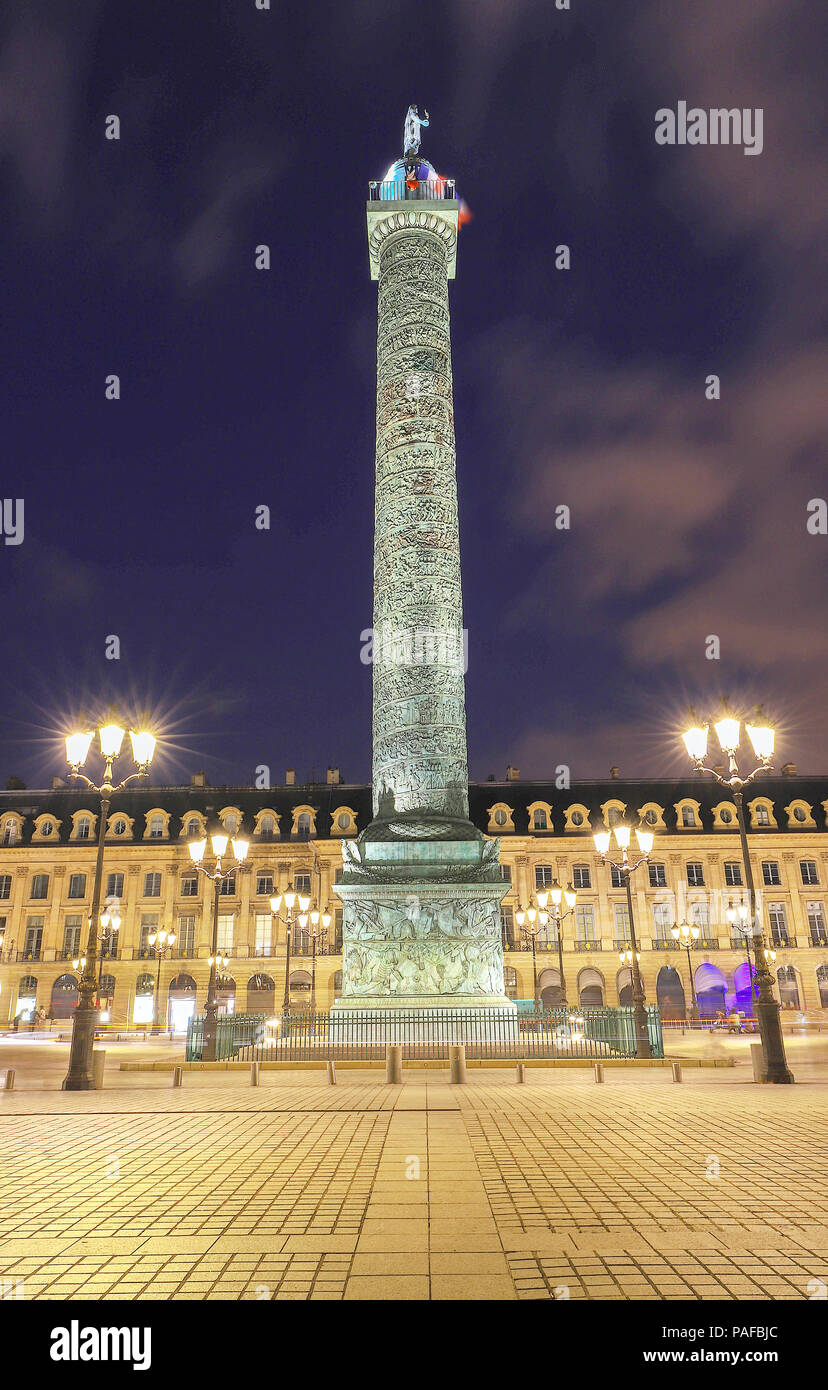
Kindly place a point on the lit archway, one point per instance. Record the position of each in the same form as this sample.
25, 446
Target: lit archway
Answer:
670, 994
590, 988
744, 989
711, 990
789, 996
261, 994
64, 996
549, 988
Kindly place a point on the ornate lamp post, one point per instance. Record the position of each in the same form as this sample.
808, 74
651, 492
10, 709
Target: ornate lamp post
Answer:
557, 893
685, 934
296, 905
762, 739
218, 840
110, 926
160, 942
79, 1076
626, 868
530, 922
318, 933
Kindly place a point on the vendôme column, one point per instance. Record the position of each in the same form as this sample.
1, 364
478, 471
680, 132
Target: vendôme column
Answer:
421, 887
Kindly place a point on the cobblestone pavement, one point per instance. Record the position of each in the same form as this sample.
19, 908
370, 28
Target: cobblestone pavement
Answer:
637, 1189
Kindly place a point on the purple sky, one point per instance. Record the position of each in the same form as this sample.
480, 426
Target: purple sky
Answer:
583, 387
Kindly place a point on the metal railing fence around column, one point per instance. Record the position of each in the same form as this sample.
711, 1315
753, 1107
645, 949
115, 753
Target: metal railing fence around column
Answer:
426, 1034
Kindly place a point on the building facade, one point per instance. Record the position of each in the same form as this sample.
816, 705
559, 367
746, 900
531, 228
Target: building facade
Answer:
47, 860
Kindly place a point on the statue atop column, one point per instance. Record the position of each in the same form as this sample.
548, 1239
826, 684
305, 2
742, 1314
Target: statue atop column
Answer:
411, 131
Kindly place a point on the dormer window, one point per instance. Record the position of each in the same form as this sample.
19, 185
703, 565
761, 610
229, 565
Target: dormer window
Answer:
266, 827
157, 828
613, 816
303, 824
193, 826
539, 820
231, 825
651, 817
762, 815
688, 817
500, 817
119, 827
10, 833
46, 828
84, 828
577, 818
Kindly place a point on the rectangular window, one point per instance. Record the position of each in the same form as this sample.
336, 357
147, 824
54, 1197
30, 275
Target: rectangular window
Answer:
149, 924
585, 922
506, 873
770, 873
185, 942
40, 886
5, 886
77, 886
543, 875
189, 885
301, 884
227, 887
225, 932
808, 871
662, 920
114, 885
507, 924
658, 876
816, 924
580, 876
622, 922
700, 917
733, 875
33, 939
264, 885
152, 885
72, 928
264, 934
695, 875
778, 924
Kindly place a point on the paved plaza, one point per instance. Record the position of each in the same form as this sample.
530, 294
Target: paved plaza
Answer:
635, 1189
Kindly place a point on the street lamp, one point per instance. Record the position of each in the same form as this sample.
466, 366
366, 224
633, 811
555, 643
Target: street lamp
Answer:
110, 926
318, 933
159, 941
218, 841
685, 934
530, 922
557, 893
296, 905
79, 1076
626, 868
761, 736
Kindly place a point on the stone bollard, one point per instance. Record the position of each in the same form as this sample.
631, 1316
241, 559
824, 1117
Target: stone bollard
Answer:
9, 1082
178, 1075
254, 1073
98, 1062
676, 1068
757, 1057
330, 1067
520, 1070
393, 1064
457, 1064
599, 1071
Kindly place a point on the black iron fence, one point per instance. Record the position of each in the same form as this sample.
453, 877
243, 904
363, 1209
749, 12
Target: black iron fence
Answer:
427, 1034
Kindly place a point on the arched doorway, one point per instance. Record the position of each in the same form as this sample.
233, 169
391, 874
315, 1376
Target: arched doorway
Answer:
549, 989
670, 994
143, 1010
822, 982
64, 996
261, 995
226, 994
300, 989
744, 989
711, 991
590, 988
26, 997
788, 987
182, 1001
623, 984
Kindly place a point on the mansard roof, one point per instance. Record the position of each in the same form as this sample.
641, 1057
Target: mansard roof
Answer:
325, 798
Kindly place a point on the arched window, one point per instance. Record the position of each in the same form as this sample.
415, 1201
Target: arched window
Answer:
107, 986
688, 817
231, 824
266, 827
64, 996
145, 984
193, 826
613, 816
261, 994
590, 988
762, 815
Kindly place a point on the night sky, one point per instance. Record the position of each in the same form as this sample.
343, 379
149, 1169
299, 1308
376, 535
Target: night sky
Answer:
242, 387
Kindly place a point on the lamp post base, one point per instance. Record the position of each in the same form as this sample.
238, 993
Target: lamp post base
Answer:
643, 1049
776, 1070
79, 1076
